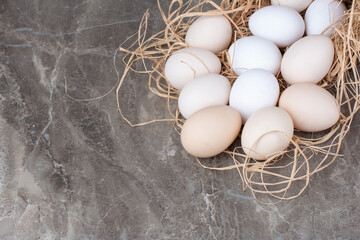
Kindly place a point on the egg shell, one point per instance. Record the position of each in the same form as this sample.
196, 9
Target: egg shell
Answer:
253, 90
281, 25
212, 32
210, 131
297, 5
267, 132
204, 91
188, 63
323, 13
254, 52
311, 107
308, 60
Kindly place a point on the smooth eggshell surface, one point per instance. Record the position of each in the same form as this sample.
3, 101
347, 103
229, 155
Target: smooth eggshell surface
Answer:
254, 52
311, 107
281, 25
267, 132
308, 60
298, 5
188, 63
253, 90
210, 32
323, 13
210, 131
204, 91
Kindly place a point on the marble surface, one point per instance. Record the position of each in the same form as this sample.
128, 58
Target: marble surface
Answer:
76, 170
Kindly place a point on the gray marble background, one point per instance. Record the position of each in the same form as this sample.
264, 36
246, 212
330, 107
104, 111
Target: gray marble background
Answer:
76, 170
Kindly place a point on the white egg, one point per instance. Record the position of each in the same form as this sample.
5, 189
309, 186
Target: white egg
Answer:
323, 13
207, 90
281, 25
212, 32
298, 5
252, 91
254, 52
188, 63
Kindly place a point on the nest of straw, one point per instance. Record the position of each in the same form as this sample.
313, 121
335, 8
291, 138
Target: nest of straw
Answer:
286, 175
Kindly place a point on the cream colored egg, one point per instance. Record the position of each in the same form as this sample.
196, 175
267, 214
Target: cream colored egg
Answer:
204, 91
308, 60
298, 5
267, 132
211, 32
311, 107
189, 63
210, 131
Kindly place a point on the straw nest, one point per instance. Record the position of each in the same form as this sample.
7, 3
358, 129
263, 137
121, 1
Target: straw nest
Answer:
286, 175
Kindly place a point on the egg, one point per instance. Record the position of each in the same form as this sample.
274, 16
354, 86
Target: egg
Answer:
308, 60
323, 13
253, 90
212, 32
204, 91
267, 132
210, 131
281, 25
254, 52
188, 63
298, 5
311, 107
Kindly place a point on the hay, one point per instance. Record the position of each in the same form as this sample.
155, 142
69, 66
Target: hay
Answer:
286, 174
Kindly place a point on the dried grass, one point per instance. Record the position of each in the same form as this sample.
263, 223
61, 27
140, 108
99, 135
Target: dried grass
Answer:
308, 153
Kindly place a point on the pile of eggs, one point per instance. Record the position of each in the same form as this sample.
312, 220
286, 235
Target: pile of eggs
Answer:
215, 111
